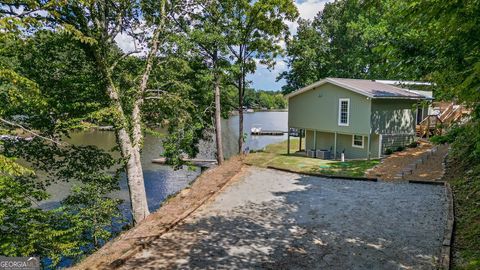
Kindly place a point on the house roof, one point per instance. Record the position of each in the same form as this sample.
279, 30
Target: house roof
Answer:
368, 88
426, 94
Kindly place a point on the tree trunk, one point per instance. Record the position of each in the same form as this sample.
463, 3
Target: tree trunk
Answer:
136, 186
218, 120
133, 168
137, 134
129, 152
240, 116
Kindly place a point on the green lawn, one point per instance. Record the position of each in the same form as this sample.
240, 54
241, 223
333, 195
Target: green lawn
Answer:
275, 155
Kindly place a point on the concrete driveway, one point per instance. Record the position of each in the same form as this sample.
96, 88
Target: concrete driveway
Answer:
275, 220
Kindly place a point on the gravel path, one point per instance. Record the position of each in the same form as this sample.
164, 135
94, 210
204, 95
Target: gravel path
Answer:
274, 220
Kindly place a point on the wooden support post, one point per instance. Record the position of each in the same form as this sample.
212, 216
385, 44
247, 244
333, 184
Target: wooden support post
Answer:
288, 142
428, 127
300, 144
335, 147
315, 140
368, 146
380, 139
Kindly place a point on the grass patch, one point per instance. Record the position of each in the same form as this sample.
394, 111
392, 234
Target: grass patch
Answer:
355, 168
275, 155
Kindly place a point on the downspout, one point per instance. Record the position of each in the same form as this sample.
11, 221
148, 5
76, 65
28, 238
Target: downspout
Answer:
368, 144
370, 131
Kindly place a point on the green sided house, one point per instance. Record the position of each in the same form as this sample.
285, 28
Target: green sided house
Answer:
360, 118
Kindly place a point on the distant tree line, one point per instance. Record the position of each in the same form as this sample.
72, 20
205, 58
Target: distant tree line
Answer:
262, 99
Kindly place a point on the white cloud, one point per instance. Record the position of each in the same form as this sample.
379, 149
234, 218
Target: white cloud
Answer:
125, 42
128, 43
281, 65
307, 9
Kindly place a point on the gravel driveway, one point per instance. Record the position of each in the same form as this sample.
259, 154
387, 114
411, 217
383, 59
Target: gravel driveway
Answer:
275, 220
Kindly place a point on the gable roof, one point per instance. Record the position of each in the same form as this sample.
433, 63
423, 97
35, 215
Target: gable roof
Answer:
368, 88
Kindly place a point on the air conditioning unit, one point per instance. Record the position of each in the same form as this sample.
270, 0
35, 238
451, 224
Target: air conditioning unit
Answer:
323, 154
311, 153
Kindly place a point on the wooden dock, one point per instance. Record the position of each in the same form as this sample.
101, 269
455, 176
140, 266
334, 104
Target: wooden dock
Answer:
268, 133
194, 161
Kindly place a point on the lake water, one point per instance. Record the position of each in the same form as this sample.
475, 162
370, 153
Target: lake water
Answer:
160, 180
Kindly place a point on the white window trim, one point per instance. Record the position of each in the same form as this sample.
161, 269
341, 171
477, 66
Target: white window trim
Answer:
358, 146
340, 112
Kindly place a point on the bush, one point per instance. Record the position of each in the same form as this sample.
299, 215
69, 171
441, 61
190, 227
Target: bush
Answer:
388, 151
413, 144
450, 137
440, 139
400, 148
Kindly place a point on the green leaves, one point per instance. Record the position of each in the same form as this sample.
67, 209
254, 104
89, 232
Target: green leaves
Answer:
85, 219
356, 39
8, 166
48, 84
78, 35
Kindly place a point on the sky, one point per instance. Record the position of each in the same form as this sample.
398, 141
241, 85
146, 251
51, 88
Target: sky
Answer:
263, 78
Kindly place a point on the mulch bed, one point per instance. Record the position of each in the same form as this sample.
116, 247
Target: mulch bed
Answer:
394, 164
433, 168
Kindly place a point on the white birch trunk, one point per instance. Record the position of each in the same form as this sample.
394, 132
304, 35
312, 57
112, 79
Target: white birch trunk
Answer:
218, 121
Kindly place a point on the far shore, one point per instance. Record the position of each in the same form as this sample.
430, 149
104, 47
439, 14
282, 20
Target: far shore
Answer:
235, 112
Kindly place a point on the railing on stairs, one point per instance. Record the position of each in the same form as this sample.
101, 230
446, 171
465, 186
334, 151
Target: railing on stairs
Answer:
435, 124
431, 125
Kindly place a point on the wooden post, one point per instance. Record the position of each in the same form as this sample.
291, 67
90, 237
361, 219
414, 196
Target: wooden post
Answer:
428, 127
288, 142
315, 140
300, 144
380, 139
368, 147
335, 147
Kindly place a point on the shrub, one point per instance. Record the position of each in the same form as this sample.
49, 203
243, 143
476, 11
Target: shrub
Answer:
400, 148
439, 139
450, 137
413, 144
388, 151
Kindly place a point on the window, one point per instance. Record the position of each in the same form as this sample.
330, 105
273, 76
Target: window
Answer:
357, 141
343, 111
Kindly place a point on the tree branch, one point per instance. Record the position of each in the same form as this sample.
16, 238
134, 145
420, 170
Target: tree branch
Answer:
29, 131
112, 67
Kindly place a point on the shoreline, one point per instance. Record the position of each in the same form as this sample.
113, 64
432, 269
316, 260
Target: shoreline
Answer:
235, 112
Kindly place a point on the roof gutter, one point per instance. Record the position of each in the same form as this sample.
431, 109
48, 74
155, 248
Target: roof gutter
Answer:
413, 98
